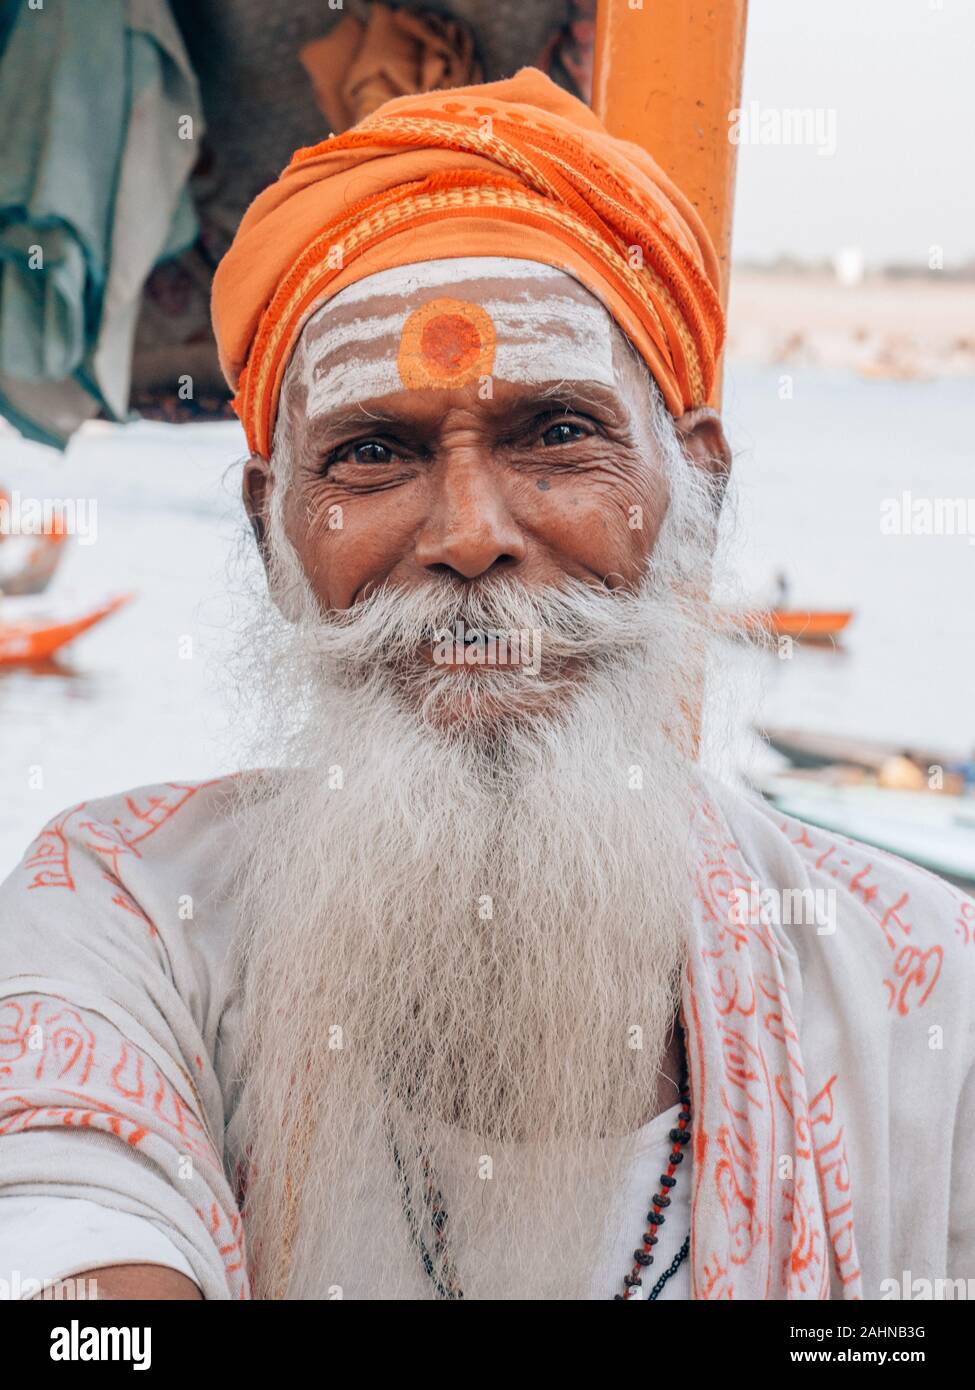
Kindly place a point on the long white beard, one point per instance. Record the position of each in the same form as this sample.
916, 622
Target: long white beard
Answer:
462, 916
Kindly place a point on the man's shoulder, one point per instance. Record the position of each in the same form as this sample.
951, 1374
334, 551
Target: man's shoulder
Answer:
131, 836
141, 817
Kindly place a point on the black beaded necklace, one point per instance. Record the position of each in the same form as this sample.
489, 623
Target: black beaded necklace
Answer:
438, 1264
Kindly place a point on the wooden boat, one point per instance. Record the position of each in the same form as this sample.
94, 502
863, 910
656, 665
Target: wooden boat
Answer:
806, 748
32, 573
802, 624
33, 640
936, 831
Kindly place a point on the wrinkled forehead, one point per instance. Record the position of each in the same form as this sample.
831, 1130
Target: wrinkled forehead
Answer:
447, 323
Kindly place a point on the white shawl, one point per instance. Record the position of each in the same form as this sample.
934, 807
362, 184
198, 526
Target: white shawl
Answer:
831, 1074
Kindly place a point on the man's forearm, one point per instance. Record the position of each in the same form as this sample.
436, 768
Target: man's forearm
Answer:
129, 1281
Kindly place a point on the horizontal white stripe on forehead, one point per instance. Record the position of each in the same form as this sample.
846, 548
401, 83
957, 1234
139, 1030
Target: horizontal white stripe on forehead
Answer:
521, 321
452, 270
558, 333
548, 340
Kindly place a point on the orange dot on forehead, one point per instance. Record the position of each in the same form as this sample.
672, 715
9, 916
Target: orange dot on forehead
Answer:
450, 342
446, 342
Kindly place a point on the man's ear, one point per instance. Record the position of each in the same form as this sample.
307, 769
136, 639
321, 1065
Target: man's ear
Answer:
256, 489
703, 438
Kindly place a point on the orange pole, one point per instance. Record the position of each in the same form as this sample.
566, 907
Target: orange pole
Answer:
666, 75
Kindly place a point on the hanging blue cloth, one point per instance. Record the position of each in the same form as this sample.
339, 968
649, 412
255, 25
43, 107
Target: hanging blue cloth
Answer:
102, 122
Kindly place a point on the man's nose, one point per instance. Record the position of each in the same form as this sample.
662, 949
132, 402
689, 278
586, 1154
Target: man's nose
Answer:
469, 528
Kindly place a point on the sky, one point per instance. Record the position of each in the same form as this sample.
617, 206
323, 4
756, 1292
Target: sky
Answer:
897, 76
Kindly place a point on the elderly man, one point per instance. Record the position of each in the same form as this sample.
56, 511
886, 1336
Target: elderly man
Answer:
485, 988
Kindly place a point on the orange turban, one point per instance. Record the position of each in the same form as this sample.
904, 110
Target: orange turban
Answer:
517, 168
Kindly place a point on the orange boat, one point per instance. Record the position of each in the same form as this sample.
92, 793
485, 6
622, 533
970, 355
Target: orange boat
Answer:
806, 625
37, 569
37, 639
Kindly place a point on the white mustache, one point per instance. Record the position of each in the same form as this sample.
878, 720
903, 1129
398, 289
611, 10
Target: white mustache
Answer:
575, 619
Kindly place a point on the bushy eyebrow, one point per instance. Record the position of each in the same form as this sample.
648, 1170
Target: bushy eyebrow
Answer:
568, 396
571, 395
349, 420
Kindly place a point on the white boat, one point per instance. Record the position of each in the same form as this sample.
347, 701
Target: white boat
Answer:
935, 830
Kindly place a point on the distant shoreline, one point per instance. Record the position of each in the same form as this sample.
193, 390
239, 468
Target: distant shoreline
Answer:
888, 325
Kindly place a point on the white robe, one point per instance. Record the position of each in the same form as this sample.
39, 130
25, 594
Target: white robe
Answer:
832, 1076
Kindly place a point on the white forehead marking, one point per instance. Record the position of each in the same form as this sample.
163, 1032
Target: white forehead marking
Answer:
556, 332
405, 279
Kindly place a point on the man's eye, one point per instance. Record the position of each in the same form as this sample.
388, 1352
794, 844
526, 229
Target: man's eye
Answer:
564, 432
371, 451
